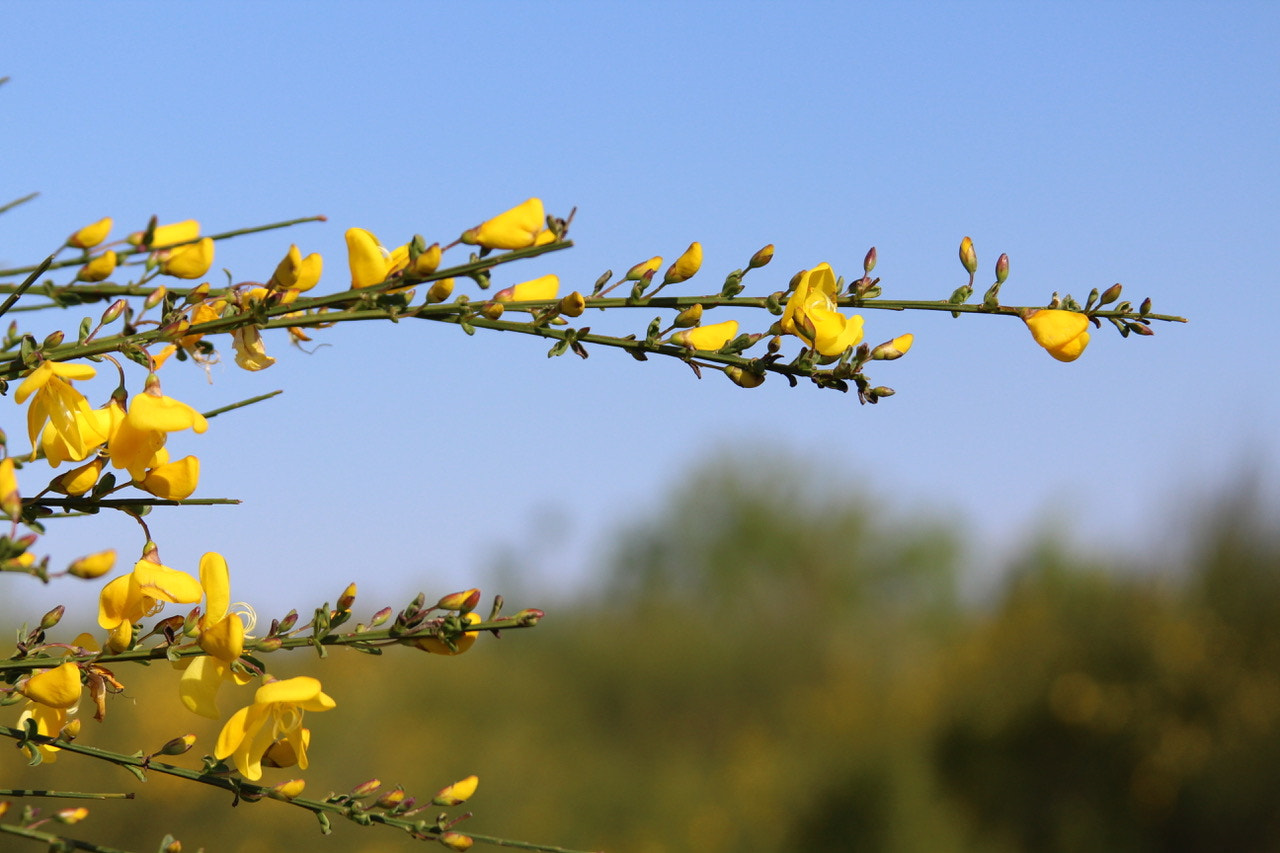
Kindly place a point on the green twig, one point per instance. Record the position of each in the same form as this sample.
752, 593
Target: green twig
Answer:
17, 201
57, 842
22, 288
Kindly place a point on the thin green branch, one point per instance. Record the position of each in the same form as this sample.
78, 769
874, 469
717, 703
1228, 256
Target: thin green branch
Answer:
22, 288
64, 795
17, 201
57, 842
127, 253
141, 764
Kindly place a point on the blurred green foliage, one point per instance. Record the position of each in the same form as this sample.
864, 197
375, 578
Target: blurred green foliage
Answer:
775, 663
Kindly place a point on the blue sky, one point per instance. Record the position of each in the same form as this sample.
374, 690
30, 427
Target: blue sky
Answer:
1095, 143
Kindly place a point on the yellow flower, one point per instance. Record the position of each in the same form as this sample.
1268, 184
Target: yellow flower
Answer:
439, 291
251, 353
145, 427
456, 841
296, 272
520, 227
644, 269
541, 288
896, 348
10, 497
370, 263
276, 714
190, 261
143, 591
685, 266
457, 793
812, 316
463, 642
173, 481
165, 235
93, 566
98, 269
51, 693
1064, 334
94, 426
91, 235
221, 636
706, 337
56, 401
57, 688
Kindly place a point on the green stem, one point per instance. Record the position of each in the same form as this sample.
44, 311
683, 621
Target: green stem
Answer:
127, 253
22, 288
66, 795
17, 201
56, 842
243, 789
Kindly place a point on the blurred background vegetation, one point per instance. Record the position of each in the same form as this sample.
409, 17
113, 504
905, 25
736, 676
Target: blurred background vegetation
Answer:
773, 662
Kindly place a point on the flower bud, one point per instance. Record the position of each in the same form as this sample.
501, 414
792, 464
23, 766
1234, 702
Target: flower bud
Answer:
869, 262
1111, 294
463, 602
287, 790
528, 617
968, 256
113, 312
439, 291
178, 746
390, 799
895, 348
100, 268
53, 617
457, 793
190, 261
75, 815
428, 260
706, 337
492, 310
685, 266
644, 270
364, 789
761, 257
348, 597
53, 339
91, 235
744, 378
573, 305
456, 840
155, 297
1002, 268
689, 317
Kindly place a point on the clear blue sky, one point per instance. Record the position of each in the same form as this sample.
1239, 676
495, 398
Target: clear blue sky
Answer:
1094, 143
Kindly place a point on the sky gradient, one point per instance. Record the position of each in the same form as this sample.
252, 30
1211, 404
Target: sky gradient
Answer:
1094, 143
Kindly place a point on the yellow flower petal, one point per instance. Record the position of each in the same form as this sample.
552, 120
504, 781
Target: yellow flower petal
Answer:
173, 481
190, 261
707, 337
56, 688
91, 235
518, 228
1063, 334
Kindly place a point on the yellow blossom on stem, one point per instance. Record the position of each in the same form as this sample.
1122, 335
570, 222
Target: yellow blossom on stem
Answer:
276, 714
644, 269
52, 692
463, 642
812, 316
100, 268
251, 353
129, 598
439, 291
461, 601
287, 790
370, 263
77, 481
55, 400
457, 793
145, 427
190, 261
706, 337
896, 348
221, 635
428, 261
10, 497
543, 288
91, 235
167, 235
520, 227
59, 687
456, 841
172, 481
1063, 334
685, 266
296, 272
94, 565
92, 428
